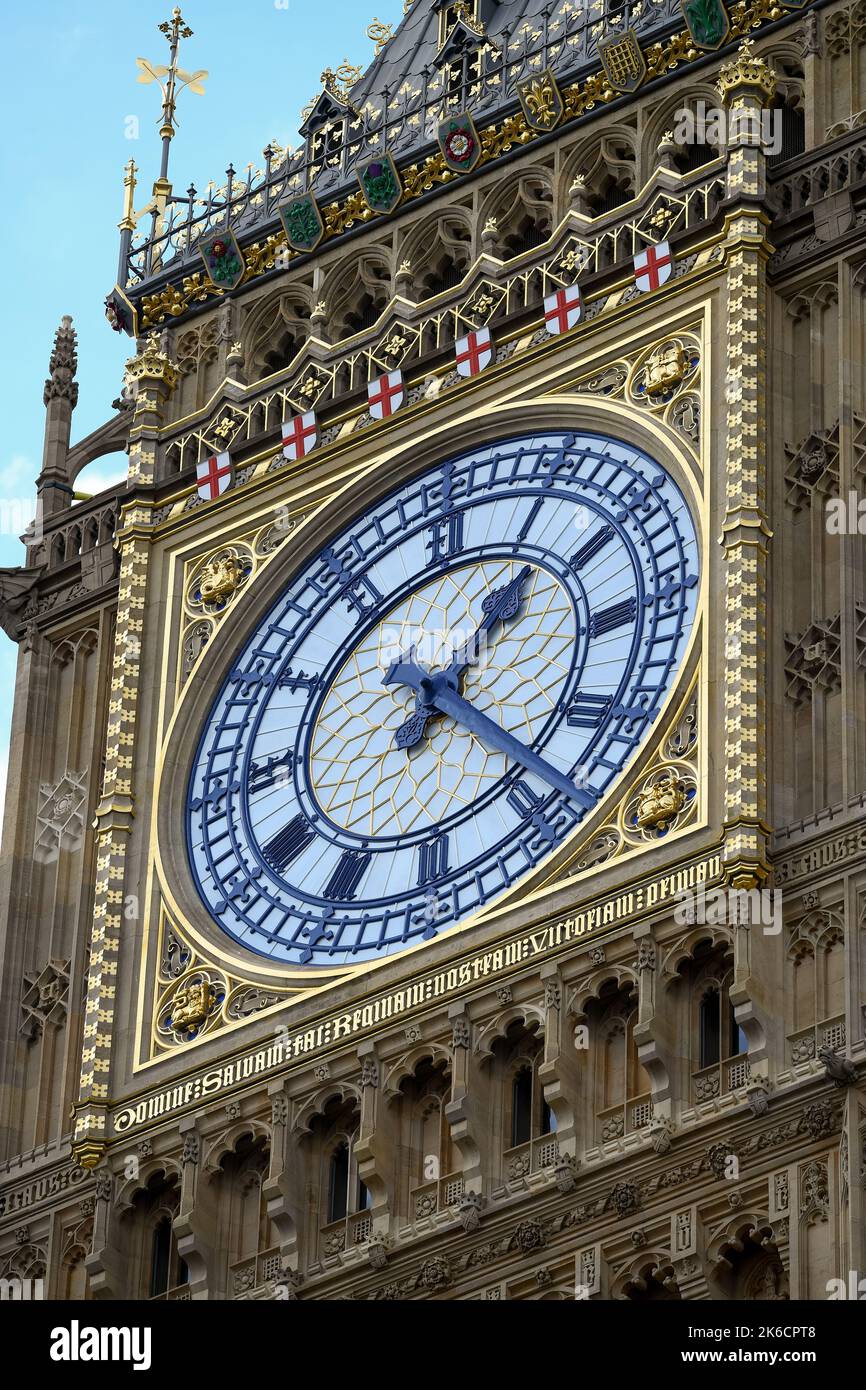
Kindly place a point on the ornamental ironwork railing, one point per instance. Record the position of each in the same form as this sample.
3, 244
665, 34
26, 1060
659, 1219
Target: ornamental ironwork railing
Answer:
563, 38
320, 377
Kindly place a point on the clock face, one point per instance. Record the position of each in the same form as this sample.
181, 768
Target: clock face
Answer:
440, 697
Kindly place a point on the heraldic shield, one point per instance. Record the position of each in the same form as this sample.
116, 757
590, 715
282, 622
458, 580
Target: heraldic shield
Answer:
380, 183
302, 223
623, 62
223, 259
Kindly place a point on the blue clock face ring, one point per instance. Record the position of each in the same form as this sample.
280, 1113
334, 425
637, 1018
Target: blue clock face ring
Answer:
440, 697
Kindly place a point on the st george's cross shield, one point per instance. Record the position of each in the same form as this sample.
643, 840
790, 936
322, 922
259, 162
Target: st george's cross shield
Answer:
300, 436
653, 267
385, 395
474, 352
563, 310
214, 476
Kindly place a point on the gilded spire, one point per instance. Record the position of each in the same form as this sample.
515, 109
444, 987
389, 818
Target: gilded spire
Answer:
172, 80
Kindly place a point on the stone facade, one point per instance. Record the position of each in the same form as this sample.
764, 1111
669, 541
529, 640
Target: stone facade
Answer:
597, 1089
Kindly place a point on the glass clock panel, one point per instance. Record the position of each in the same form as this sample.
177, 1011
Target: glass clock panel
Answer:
440, 697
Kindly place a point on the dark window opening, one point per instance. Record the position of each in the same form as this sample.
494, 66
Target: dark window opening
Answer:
338, 1186
364, 316
521, 1108
694, 155
793, 134
710, 1030
531, 233
613, 197
160, 1260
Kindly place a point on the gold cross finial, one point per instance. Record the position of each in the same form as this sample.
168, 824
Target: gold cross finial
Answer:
172, 80
175, 28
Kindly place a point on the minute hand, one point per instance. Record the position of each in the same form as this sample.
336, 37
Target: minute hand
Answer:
494, 736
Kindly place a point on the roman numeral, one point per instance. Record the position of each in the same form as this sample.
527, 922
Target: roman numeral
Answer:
291, 842
446, 536
342, 884
588, 711
361, 594
523, 802
301, 681
613, 617
522, 799
276, 768
433, 860
530, 520
592, 547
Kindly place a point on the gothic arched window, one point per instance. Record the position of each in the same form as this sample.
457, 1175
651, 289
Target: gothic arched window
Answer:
621, 1086
527, 1121
167, 1269
717, 1044
817, 965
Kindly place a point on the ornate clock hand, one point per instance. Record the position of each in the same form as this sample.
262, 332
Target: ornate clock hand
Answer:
498, 606
438, 692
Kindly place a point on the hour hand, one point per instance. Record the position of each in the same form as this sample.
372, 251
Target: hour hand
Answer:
415, 728
498, 607
406, 671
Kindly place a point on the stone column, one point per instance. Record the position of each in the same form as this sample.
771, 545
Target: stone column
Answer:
746, 85
155, 378
196, 1224
465, 1110
105, 1269
370, 1153
277, 1187
558, 1072
53, 487
653, 1044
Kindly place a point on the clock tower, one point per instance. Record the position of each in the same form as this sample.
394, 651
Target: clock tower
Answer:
434, 862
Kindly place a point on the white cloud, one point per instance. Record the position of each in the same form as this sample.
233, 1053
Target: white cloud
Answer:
94, 478
18, 477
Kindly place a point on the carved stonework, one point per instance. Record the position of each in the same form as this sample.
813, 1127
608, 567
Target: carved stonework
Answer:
659, 804
660, 373
664, 799
61, 817
61, 384
207, 996
814, 1189
369, 1073
219, 579
187, 1007
45, 998
812, 467
813, 660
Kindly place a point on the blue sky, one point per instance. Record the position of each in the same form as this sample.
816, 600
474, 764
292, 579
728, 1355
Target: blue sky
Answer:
69, 90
